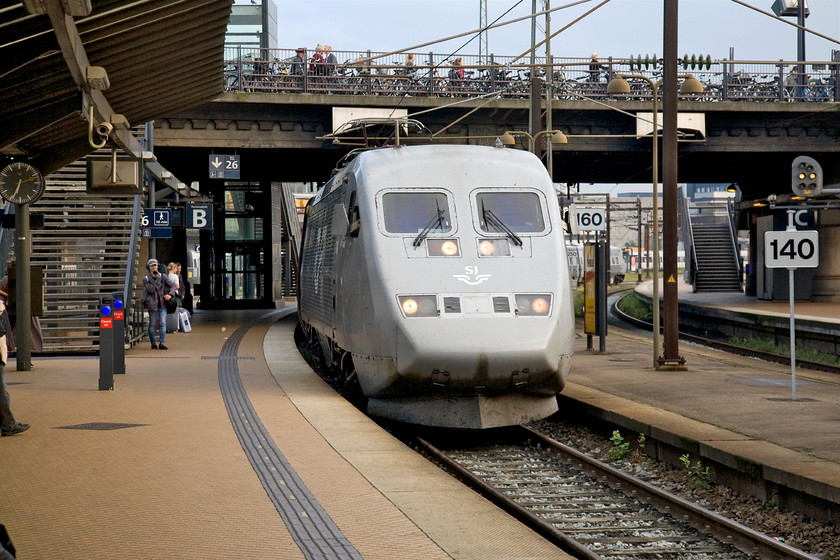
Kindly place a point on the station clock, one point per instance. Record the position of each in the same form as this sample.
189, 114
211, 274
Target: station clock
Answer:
21, 183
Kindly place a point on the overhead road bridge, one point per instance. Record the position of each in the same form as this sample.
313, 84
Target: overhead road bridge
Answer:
750, 121
752, 144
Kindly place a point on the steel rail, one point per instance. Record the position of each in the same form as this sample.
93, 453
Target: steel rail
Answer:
521, 513
723, 529
730, 348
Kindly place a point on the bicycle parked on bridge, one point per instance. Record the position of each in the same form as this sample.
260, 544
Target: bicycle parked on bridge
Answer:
573, 79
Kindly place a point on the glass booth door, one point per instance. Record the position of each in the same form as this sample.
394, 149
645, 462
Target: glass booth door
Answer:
240, 274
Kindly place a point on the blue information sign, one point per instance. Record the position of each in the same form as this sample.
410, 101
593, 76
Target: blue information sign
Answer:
156, 232
156, 222
224, 166
199, 215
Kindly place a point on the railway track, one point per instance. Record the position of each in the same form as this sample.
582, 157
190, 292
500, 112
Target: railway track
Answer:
592, 510
726, 347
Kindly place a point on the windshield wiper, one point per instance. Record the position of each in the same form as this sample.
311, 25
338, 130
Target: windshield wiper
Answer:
437, 221
494, 221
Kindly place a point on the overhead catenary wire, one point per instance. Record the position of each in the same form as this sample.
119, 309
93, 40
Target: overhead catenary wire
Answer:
796, 25
491, 26
479, 30
435, 67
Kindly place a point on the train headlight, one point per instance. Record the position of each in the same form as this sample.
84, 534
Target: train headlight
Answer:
540, 306
418, 306
533, 305
410, 306
449, 248
443, 247
493, 248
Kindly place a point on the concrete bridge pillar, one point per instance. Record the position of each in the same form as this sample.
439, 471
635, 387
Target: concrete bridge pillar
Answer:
826, 283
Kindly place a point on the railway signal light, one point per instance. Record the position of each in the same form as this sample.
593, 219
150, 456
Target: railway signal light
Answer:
806, 176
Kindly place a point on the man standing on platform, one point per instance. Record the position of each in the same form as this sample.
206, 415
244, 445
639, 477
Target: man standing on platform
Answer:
157, 290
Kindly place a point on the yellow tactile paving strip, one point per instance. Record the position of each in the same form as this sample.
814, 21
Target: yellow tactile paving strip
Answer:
181, 487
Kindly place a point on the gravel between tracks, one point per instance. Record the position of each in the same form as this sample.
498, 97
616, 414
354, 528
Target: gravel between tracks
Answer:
819, 539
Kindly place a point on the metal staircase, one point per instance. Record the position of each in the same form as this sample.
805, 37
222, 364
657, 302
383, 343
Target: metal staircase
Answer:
712, 260
717, 262
83, 249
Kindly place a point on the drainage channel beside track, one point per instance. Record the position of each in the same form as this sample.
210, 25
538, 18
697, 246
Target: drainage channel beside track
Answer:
592, 510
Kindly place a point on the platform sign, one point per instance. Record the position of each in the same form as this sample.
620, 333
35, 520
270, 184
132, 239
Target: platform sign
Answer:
156, 218
156, 233
792, 249
199, 215
224, 166
156, 222
587, 219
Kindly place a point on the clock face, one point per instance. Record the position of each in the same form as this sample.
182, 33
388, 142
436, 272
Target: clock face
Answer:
21, 183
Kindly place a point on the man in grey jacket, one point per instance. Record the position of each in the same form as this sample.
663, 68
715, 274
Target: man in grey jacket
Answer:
157, 290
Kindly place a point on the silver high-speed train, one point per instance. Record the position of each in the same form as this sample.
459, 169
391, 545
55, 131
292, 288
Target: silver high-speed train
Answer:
436, 276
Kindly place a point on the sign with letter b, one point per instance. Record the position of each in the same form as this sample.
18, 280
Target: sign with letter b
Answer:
199, 215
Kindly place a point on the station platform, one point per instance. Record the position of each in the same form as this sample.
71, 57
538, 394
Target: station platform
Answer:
733, 411
737, 302
227, 445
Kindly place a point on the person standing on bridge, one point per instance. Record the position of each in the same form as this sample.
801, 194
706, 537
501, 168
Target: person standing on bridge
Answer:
595, 69
410, 67
456, 76
297, 62
296, 70
329, 60
317, 67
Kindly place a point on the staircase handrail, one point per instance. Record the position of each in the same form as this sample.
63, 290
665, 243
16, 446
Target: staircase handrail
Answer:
688, 237
133, 331
733, 234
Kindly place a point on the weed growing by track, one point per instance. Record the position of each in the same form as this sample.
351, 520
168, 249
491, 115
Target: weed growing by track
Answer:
802, 352
635, 307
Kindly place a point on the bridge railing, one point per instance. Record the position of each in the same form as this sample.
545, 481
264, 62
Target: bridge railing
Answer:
440, 74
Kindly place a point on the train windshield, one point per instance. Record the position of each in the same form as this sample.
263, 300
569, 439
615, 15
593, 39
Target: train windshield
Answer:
518, 211
416, 212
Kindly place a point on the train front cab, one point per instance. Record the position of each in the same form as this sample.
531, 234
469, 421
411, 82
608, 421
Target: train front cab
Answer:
474, 295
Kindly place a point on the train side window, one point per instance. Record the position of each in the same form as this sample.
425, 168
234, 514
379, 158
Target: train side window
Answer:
413, 212
519, 211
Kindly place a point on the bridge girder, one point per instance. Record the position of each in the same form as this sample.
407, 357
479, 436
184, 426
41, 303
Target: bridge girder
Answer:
751, 144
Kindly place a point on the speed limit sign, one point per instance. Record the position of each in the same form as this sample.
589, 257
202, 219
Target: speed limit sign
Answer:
792, 249
588, 219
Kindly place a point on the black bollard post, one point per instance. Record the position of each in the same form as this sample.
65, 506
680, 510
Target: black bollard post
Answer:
119, 334
106, 343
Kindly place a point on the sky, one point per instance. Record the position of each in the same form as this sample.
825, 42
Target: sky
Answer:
619, 28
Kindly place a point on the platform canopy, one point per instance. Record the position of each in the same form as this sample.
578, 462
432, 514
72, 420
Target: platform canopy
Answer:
130, 60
